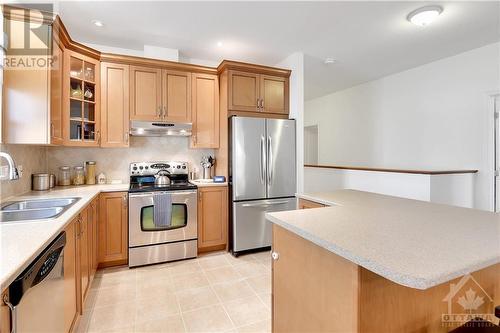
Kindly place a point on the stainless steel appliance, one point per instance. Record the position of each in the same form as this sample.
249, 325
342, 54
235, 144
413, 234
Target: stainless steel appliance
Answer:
36, 297
262, 177
162, 218
159, 128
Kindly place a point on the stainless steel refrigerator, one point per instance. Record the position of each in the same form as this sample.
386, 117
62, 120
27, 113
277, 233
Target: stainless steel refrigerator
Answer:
262, 171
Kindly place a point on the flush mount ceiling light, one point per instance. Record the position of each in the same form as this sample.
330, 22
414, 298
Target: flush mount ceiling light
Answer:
98, 23
329, 61
425, 15
219, 44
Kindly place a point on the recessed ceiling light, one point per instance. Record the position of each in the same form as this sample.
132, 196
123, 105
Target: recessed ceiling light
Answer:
329, 61
219, 43
425, 15
98, 23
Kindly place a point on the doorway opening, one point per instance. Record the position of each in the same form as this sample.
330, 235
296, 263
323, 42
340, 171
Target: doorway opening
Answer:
311, 144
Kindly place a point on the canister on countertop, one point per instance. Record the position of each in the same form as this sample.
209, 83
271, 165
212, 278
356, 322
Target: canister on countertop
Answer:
101, 179
90, 167
52, 180
79, 175
64, 176
40, 181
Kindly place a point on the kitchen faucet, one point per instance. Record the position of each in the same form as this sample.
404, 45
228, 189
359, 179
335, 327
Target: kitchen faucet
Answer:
13, 174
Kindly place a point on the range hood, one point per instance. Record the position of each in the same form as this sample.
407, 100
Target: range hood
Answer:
159, 128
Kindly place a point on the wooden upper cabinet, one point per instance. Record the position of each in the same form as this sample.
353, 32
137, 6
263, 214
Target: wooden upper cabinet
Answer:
113, 228
81, 107
56, 92
176, 96
243, 91
115, 109
145, 93
205, 97
273, 94
212, 218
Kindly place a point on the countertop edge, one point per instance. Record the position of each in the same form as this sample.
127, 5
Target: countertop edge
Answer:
68, 217
401, 279
316, 199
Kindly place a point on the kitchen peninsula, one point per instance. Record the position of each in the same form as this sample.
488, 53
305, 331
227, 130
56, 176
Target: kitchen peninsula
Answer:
377, 263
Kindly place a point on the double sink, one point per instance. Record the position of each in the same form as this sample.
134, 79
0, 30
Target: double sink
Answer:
36, 209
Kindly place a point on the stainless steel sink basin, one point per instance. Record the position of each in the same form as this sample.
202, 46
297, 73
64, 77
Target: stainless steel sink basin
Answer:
36, 209
30, 214
39, 203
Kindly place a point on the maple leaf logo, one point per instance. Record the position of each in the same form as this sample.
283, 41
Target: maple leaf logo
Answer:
470, 301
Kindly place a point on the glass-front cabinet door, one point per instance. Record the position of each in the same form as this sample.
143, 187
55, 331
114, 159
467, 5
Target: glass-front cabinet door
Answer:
82, 126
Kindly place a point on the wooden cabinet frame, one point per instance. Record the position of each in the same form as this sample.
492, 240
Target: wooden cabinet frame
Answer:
212, 218
137, 88
207, 108
113, 229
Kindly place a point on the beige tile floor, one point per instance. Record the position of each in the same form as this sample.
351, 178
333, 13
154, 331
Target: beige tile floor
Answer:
213, 293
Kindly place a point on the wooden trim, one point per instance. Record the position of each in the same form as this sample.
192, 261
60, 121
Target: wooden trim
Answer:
306, 204
207, 249
253, 68
71, 44
420, 172
163, 64
115, 263
256, 114
10, 12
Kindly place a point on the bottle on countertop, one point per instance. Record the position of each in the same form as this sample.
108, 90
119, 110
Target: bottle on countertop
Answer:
90, 168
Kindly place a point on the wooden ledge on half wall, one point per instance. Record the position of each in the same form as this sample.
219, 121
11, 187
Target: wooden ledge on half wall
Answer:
420, 172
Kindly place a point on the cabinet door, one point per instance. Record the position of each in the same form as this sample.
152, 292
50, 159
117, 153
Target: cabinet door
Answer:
113, 222
274, 94
81, 117
176, 96
205, 104
212, 218
84, 254
243, 91
145, 93
114, 105
56, 93
70, 300
306, 204
95, 226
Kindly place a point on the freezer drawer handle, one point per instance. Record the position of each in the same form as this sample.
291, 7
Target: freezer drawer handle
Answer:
265, 204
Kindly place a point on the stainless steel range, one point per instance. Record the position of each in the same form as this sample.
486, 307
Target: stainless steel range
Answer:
162, 213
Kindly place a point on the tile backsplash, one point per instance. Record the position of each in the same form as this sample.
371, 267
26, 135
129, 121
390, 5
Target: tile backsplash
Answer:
114, 162
33, 159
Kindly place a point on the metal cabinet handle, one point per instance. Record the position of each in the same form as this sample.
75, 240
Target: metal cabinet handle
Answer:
124, 200
164, 112
158, 111
199, 195
262, 104
51, 129
275, 255
258, 104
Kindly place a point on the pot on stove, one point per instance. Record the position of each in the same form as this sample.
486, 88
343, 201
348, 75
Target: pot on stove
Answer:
162, 179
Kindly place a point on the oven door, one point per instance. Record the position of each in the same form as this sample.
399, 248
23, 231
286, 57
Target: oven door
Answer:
145, 226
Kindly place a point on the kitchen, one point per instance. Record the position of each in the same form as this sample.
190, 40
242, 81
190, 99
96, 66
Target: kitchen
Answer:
218, 145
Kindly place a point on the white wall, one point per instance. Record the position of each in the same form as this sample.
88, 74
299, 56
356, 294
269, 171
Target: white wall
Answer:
295, 62
430, 117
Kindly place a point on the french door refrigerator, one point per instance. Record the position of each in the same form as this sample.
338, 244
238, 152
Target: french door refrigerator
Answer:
262, 171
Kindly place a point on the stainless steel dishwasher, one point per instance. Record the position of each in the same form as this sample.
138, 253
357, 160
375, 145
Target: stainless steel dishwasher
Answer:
36, 297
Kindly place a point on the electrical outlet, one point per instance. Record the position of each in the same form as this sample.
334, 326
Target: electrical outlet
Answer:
20, 171
4, 171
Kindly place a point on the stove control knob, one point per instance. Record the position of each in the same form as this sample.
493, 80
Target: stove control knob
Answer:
184, 167
178, 167
141, 167
135, 168
146, 167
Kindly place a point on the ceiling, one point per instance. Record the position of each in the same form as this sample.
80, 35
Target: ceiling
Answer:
369, 40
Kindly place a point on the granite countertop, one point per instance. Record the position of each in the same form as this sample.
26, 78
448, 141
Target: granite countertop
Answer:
414, 243
22, 241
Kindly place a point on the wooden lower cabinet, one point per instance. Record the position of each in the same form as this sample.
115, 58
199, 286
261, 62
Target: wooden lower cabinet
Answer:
83, 251
70, 281
315, 290
212, 218
306, 204
113, 229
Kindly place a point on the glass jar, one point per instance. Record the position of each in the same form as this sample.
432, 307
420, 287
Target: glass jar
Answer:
79, 175
90, 172
64, 176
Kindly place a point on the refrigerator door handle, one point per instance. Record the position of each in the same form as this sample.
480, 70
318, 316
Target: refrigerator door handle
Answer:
270, 160
262, 160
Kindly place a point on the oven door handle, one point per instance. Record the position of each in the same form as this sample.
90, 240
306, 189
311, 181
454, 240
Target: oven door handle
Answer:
149, 194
